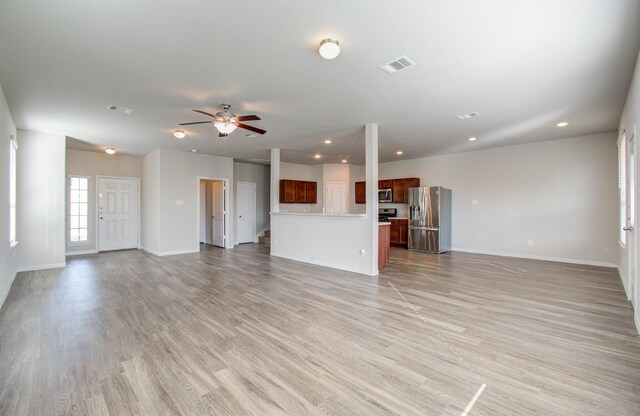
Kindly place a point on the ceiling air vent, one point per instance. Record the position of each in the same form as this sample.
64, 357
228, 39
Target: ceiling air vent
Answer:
401, 63
466, 116
120, 109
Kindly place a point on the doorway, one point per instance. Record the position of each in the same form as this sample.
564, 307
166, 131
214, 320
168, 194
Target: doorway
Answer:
246, 208
212, 212
336, 198
118, 213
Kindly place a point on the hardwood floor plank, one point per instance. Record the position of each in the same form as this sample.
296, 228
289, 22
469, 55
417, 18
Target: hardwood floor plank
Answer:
237, 332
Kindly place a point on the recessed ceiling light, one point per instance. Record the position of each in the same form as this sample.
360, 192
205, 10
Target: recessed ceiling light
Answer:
328, 141
179, 134
194, 150
344, 160
329, 48
472, 139
562, 124
399, 152
110, 150
317, 156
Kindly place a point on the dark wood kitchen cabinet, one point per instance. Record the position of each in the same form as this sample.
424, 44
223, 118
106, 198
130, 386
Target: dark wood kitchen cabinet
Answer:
312, 192
399, 231
301, 192
298, 192
385, 184
410, 183
398, 190
361, 192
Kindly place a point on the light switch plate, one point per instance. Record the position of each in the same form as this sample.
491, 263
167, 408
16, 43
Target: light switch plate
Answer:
179, 202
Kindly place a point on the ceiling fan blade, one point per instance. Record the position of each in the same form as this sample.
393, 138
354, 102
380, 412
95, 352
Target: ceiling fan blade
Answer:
248, 118
205, 113
195, 122
223, 134
254, 129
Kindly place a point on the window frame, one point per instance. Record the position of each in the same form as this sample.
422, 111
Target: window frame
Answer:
86, 242
13, 191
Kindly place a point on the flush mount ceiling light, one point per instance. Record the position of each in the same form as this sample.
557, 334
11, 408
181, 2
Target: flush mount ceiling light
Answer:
472, 139
399, 152
110, 151
179, 134
562, 124
329, 48
317, 156
344, 160
328, 141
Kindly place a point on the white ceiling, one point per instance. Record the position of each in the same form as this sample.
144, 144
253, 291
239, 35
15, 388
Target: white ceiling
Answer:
523, 65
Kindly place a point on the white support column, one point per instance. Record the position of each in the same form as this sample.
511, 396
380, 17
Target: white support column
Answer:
275, 180
371, 169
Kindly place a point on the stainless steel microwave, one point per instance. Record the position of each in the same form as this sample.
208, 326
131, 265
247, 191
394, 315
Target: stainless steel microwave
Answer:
385, 195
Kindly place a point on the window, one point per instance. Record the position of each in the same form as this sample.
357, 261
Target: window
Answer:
13, 154
78, 209
622, 187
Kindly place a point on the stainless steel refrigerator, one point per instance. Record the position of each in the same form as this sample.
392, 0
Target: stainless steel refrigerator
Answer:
430, 219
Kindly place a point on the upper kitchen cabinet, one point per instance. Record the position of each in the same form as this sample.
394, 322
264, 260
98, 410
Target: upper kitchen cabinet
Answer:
398, 190
311, 192
385, 184
298, 192
361, 192
410, 183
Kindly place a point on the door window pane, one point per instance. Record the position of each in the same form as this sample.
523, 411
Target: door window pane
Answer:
78, 209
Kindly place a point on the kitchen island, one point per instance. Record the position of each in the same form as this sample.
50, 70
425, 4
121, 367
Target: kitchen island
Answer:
384, 242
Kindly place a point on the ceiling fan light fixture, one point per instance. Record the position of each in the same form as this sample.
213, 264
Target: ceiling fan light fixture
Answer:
225, 127
110, 151
329, 48
179, 134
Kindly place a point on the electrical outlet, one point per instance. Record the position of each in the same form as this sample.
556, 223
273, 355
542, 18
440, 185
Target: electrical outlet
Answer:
530, 243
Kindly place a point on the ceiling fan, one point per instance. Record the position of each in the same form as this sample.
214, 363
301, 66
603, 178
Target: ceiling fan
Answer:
226, 122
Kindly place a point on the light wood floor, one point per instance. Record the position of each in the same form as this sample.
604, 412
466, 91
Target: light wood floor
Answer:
236, 332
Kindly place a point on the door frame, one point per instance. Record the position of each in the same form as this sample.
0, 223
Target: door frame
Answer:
227, 209
632, 249
97, 207
254, 202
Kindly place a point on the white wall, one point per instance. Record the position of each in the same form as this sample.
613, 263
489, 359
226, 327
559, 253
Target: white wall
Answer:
41, 201
347, 242
8, 263
629, 123
150, 210
179, 190
93, 164
561, 194
258, 174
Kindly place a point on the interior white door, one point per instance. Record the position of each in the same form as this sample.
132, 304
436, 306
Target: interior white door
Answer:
246, 209
631, 221
336, 198
117, 213
203, 212
217, 214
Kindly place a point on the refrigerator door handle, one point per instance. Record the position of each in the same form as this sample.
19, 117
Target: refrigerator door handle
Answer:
414, 227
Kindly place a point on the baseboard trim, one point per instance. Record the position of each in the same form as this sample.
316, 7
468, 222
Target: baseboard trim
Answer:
81, 253
169, 253
8, 289
534, 257
42, 267
636, 319
324, 264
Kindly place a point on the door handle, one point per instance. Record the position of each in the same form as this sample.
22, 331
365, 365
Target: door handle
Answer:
628, 228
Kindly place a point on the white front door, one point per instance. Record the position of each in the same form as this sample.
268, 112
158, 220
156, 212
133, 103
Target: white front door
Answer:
117, 213
246, 209
203, 212
631, 221
336, 198
217, 214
